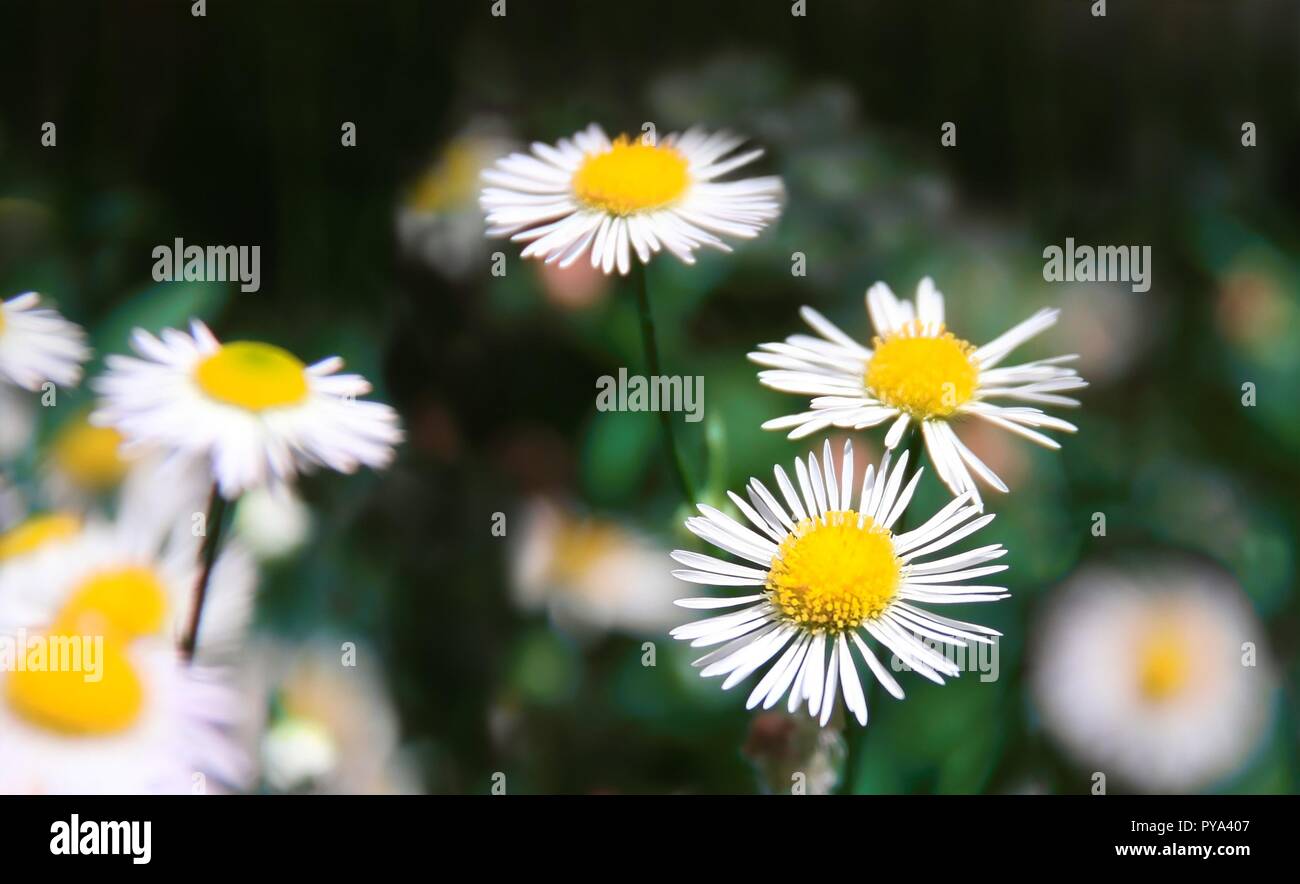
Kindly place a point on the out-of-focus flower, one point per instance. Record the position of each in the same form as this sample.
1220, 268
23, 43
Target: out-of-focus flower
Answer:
37, 345
36, 533
83, 461
146, 723
613, 198
439, 219
331, 728
272, 523
1257, 313
127, 581
827, 574
257, 414
1157, 674
916, 370
591, 575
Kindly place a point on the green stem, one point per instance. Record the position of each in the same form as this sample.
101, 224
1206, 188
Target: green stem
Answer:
652, 364
914, 445
217, 506
855, 734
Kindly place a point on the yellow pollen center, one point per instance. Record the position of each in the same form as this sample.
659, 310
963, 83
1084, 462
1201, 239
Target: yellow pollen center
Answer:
580, 546
1163, 666
36, 532
631, 177
66, 700
88, 455
922, 375
125, 602
833, 575
253, 376
452, 182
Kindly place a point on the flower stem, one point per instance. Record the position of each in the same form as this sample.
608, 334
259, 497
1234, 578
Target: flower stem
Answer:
217, 506
914, 445
652, 363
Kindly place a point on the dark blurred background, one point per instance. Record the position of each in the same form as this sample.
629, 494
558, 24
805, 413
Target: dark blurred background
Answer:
1122, 129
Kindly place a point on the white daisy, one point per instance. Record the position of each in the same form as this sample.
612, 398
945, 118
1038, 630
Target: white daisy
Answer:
828, 573
439, 220
37, 533
256, 413
616, 197
591, 574
917, 372
37, 345
148, 724
139, 583
1156, 675
327, 724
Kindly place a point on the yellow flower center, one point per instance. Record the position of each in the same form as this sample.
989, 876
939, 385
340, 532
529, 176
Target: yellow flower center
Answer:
580, 545
253, 376
833, 575
64, 700
1163, 666
125, 602
631, 177
922, 375
88, 455
34, 533
452, 181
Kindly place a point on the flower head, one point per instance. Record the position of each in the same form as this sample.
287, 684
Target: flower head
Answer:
918, 372
146, 723
612, 198
257, 414
1144, 671
37, 345
830, 572
129, 579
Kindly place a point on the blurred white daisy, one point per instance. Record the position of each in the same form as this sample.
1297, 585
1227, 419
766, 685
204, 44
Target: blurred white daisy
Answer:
148, 724
439, 219
590, 574
1158, 675
37, 345
37, 532
257, 414
84, 460
828, 573
330, 727
918, 372
134, 583
612, 198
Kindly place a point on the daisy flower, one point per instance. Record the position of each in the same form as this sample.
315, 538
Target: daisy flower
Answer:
918, 372
147, 724
36, 533
37, 345
139, 583
1145, 674
257, 414
828, 573
326, 727
439, 221
592, 575
612, 198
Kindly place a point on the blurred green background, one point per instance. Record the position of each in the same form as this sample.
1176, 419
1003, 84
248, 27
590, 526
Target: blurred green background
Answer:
1124, 129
